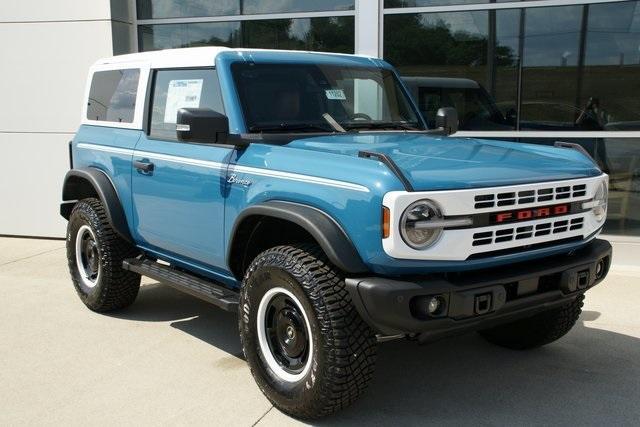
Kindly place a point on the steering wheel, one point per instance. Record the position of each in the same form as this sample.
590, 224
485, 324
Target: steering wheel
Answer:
361, 116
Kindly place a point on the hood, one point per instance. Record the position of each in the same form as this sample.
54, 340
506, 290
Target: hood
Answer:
444, 163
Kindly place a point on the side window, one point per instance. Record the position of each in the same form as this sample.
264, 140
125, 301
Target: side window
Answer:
175, 89
112, 97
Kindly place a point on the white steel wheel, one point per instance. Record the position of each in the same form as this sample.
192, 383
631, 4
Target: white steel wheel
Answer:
284, 335
88, 256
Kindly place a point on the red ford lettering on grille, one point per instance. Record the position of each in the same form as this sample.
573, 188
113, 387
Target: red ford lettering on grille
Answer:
528, 214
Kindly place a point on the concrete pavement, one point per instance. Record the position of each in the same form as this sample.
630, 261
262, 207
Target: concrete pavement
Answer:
172, 359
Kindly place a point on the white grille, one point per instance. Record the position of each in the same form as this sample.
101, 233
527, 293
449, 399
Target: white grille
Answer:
461, 243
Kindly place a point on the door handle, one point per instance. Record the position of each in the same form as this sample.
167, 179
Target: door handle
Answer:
143, 165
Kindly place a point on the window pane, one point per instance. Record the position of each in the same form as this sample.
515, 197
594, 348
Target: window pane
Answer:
550, 74
581, 66
448, 54
167, 36
112, 96
175, 89
150, 9
611, 76
320, 34
425, 3
279, 6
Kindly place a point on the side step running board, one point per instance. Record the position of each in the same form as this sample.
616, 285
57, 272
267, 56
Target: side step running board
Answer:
209, 291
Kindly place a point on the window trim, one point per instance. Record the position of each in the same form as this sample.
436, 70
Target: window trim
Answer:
253, 17
136, 124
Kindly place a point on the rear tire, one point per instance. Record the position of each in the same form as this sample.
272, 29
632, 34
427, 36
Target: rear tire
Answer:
536, 331
307, 347
95, 253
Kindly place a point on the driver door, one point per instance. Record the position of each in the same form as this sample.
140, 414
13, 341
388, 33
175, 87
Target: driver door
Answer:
178, 188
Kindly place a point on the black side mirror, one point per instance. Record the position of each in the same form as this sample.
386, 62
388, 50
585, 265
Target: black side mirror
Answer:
447, 120
202, 125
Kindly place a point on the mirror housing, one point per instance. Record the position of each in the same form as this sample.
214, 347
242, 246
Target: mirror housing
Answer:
202, 125
447, 120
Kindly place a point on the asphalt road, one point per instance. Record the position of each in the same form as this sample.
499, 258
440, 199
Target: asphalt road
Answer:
171, 359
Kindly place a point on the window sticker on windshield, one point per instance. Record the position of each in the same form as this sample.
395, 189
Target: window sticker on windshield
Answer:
335, 94
182, 94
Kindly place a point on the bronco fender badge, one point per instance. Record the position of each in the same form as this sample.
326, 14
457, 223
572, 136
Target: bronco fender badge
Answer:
233, 179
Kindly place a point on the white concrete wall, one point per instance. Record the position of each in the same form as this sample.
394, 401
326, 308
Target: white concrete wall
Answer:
46, 49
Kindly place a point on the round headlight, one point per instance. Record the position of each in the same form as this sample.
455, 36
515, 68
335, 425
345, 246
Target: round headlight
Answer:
414, 224
600, 202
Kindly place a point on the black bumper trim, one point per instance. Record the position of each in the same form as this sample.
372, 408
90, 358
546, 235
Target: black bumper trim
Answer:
516, 291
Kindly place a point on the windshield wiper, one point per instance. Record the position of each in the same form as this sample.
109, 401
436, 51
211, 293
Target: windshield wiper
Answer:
289, 127
333, 122
380, 125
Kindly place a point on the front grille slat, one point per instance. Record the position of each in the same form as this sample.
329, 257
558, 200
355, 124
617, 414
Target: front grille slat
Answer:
523, 232
524, 197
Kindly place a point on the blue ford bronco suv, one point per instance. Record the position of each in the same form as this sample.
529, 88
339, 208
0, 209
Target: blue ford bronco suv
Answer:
304, 192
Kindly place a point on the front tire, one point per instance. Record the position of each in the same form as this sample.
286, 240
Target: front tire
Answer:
536, 331
308, 349
95, 253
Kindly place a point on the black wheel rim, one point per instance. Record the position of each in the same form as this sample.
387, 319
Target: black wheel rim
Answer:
287, 334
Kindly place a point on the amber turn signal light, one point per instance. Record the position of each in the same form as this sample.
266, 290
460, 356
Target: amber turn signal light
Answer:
386, 226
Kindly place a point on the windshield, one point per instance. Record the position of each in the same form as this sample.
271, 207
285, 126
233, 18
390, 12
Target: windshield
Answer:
321, 98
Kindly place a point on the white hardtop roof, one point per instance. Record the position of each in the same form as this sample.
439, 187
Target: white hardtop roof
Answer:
188, 57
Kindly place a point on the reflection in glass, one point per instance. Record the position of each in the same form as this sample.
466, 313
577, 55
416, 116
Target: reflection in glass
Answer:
442, 48
319, 34
112, 96
611, 72
476, 108
168, 36
424, 3
550, 75
334, 34
580, 68
285, 6
560, 68
152, 9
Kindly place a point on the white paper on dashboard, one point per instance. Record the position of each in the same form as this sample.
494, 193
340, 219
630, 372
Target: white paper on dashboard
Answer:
182, 94
335, 94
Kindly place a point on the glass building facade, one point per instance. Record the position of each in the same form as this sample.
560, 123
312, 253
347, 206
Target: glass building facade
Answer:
536, 71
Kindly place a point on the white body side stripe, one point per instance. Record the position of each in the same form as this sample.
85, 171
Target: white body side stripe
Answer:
234, 168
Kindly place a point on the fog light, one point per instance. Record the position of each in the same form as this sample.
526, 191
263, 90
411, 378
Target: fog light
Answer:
435, 306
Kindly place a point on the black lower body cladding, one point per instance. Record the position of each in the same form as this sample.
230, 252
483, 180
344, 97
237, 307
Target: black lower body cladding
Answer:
441, 305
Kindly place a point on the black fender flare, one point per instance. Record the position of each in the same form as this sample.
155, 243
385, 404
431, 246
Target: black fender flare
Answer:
333, 240
74, 188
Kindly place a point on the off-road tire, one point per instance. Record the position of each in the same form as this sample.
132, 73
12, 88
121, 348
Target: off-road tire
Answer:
116, 287
344, 347
538, 330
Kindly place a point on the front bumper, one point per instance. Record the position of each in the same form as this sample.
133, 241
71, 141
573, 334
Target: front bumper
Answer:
478, 299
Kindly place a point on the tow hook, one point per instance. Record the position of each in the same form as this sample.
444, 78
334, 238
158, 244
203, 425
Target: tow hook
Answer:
483, 303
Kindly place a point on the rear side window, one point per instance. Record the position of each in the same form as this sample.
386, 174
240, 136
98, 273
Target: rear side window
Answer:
175, 89
112, 97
